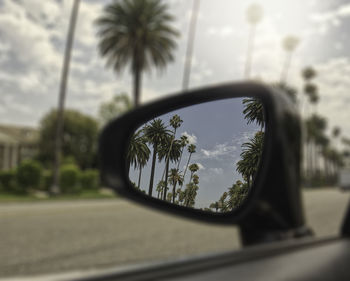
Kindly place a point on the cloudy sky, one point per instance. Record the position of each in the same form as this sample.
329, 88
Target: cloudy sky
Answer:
218, 130
32, 36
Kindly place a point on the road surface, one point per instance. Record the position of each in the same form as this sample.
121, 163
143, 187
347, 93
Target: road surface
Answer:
55, 237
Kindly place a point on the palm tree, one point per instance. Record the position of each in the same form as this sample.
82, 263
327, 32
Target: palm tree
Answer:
190, 194
222, 204
254, 111
237, 194
289, 44
191, 149
254, 15
155, 133
175, 122
195, 179
138, 33
160, 188
251, 155
138, 153
310, 89
170, 151
174, 178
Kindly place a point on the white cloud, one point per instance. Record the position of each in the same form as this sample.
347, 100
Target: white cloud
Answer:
201, 167
218, 171
330, 18
219, 150
191, 138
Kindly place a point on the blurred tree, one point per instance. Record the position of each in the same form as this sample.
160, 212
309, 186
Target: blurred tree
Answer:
79, 137
287, 89
136, 33
118, 105
336, 135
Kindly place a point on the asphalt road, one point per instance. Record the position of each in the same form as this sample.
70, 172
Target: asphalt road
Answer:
55, 237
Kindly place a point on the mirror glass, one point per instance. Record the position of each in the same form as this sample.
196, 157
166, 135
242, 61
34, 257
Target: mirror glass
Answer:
203, 156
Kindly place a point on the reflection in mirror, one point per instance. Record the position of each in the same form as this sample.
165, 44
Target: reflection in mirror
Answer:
203, 156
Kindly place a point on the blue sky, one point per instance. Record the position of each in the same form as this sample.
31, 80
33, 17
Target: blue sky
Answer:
32, 36
218, 129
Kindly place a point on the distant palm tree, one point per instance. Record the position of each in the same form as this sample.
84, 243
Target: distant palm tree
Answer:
183, 141
237, 193
308, 73
193, 168
138, 153
195, 179
170, 151
222, 203
175, 122
156, 133
160, 188
138, 33
336, 133
289, 44
254, 15
190, 194
174, 178
191, 149
215, 206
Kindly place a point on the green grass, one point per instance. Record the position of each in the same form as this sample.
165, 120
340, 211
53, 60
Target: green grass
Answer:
14, 198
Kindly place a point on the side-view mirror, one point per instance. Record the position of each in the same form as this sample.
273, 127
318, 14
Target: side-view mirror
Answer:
205, 156
227, 154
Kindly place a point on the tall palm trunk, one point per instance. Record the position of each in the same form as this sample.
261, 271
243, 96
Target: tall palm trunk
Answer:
54, 189
166, 179
249, 52
174, 189
139, 181
137, 85
286, 66
190, 44
150, 189
188, 161
178, 163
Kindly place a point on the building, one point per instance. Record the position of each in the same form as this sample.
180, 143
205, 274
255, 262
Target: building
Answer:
16, 143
